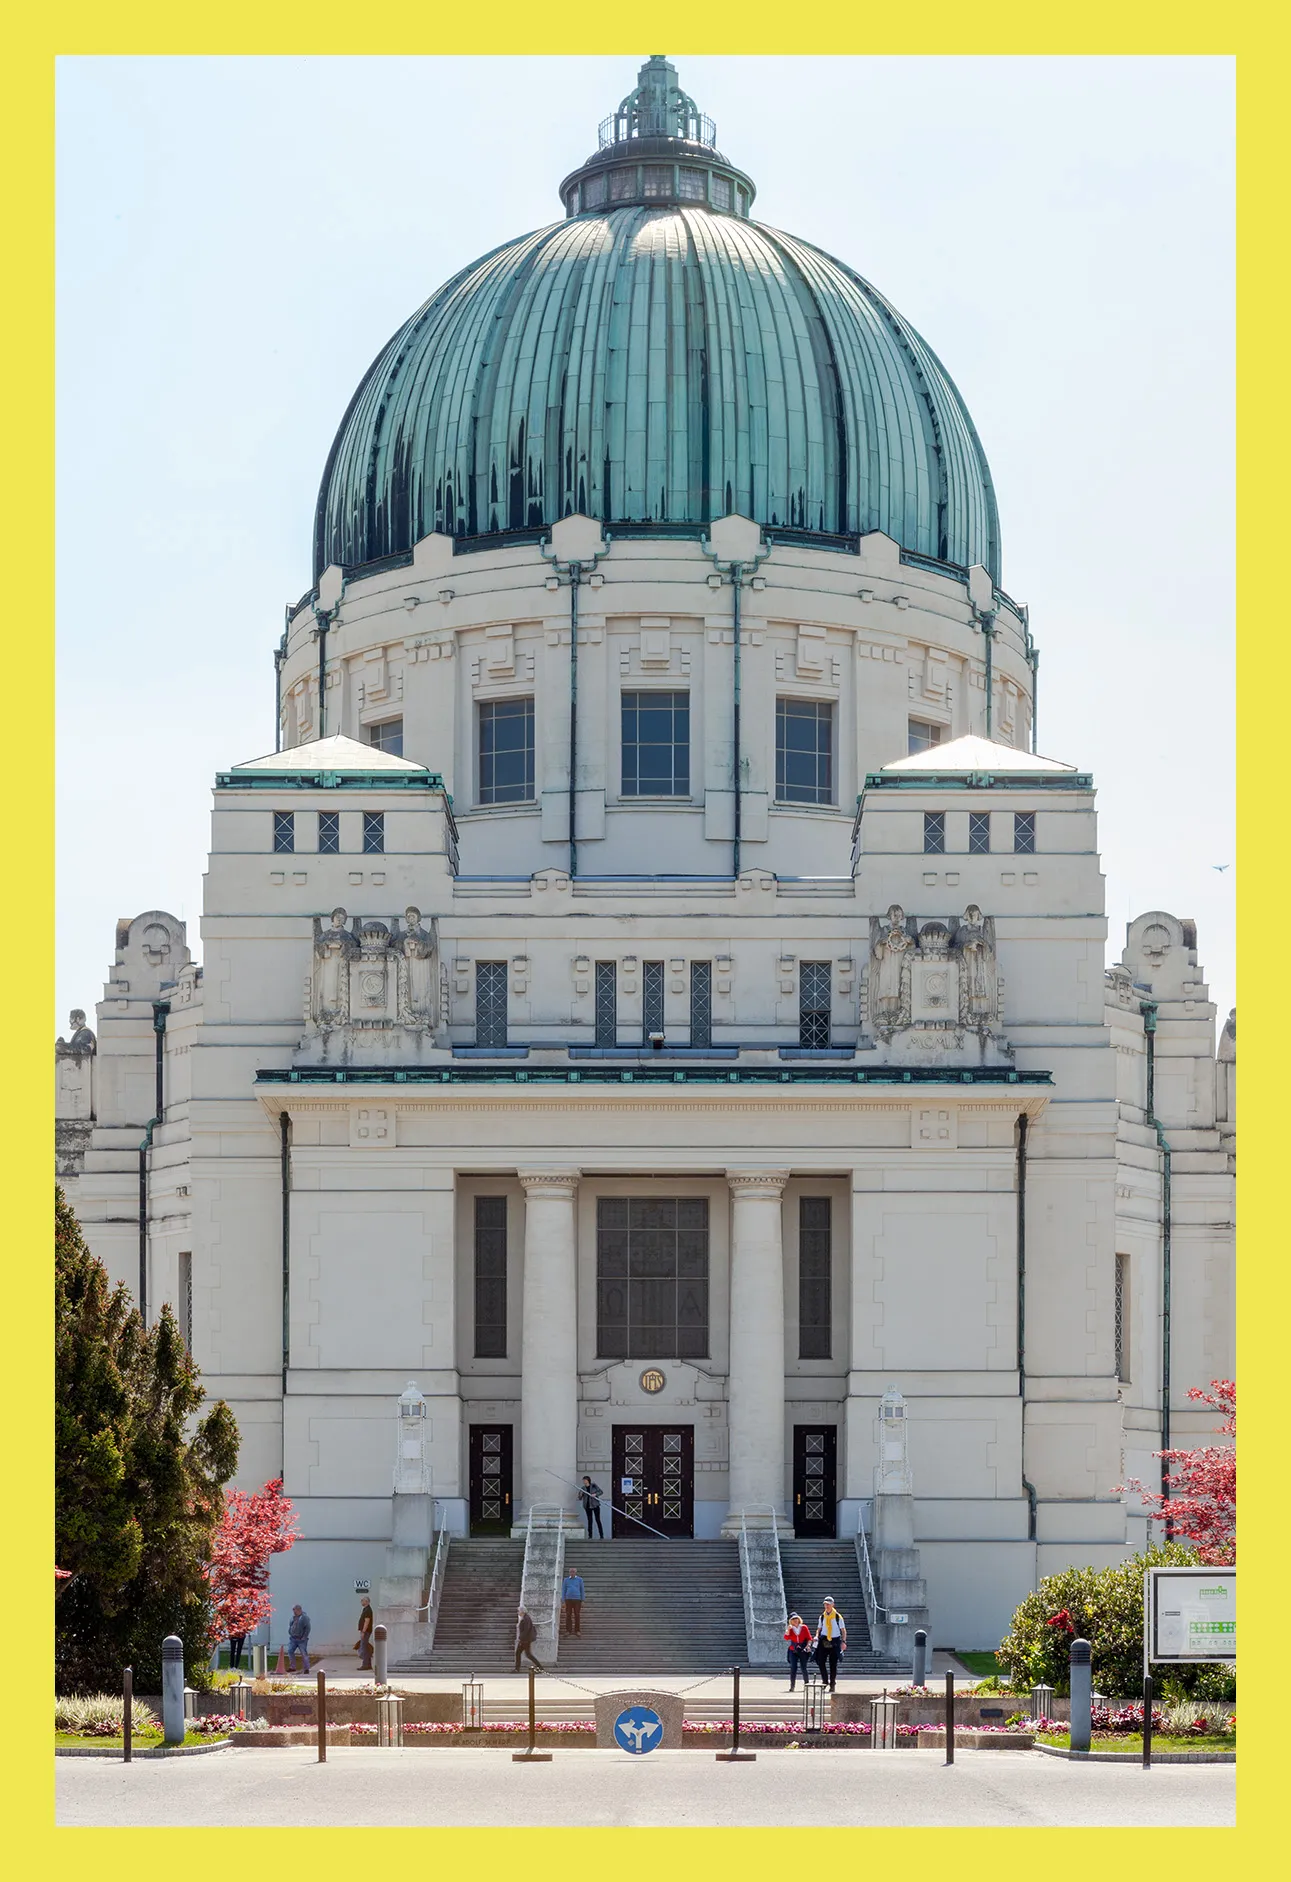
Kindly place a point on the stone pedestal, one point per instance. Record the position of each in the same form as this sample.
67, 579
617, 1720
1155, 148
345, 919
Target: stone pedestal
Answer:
901, 1587
756, 1383
549, 1342
407, 1565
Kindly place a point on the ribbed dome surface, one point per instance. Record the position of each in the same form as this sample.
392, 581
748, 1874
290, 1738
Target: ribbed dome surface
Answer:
653, 366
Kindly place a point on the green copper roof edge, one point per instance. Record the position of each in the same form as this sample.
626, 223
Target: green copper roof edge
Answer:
331, 781
978, 781
647, 1075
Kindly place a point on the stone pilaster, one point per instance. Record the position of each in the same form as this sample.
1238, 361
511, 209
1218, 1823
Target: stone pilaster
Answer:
549, 1341
756, 1385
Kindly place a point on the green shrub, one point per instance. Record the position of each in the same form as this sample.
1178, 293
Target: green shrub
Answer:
101, 1715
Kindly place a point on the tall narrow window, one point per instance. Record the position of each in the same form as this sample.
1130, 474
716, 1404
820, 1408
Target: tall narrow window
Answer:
490, 1003
814, 1003
506, 751
374, 832
656, 744
979, 832
607, 1003
1122, 1319
815, 1277
651, 998
934, 832
804, 751
284, 831
186, 1299
922, 736
1024, 832
701, 1003
651, 1277
490, 1277
388, 736
329, 832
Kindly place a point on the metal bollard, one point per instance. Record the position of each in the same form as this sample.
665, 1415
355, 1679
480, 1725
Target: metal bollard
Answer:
390, 1720
379, 1652
260, 1662
322, 1716
1147, 1721
1081, 1695
920, 1677
735, 1755
950, 1718
530, 1755
172, 1689
127, 1715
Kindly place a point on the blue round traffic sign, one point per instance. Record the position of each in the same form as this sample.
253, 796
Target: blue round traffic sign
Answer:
638, 1730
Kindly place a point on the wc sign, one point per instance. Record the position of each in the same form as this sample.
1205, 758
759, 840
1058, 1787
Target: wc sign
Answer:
1189, 1616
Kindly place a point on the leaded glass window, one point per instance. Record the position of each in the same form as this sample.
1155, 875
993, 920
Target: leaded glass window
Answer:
607, 1003
388, 736
594, 192
804, 751
651, 998
701, 1003
656, 744
186, 1299
506, 751
490, 1003
623, 185
490, 1277
1122, 1310
1024, 832
934, 832
979, 832
652, 1277
284, 831
721, 192
658, 179
374, 832
815, 1277
692, 186
329, 832
814, 1003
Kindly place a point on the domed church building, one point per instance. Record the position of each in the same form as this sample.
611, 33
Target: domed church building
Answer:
653, 1022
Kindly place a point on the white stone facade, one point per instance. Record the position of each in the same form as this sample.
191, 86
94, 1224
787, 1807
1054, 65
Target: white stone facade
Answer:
328, 1116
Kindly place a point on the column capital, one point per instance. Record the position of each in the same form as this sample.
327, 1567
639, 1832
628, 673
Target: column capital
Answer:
549, 1182
765, 1183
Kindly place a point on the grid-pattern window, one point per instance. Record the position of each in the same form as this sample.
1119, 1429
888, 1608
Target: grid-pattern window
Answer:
388, 736
1122, 1322
652, 1277
701, 1003
923, 736
490, 1277
623, 185
692, 186
934, 832
374, 832
490, 1003
804, 751
284, 831
186, 1299
979, 832
506, 751
656, 744
329, 832
814, 1002
657, 179
1024, 832
721, 192
742, 200
607, 1003
651, 998
815, 1277
594, 192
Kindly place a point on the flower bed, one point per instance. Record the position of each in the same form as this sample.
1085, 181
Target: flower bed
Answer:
580, 1735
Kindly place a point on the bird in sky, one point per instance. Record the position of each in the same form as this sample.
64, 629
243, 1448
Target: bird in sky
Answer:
1221, 867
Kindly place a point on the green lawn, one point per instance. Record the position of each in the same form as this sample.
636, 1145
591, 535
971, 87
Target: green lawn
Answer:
1108, 1741
141, 1741
982, 1665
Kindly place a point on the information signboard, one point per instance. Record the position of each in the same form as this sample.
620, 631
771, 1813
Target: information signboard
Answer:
1189, 1616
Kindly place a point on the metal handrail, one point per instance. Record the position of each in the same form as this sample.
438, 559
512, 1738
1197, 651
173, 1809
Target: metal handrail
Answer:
746, 1578
873, 1607
438, 1566
548, 1517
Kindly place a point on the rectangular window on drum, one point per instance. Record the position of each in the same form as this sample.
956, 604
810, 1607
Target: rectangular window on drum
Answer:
651, 999
490, 1003
607, 1003
1024, 832
387, 736
329, 832
490, 1277
815, 1001
374, 832
284, 832
652, 1277
815, 1277
656, 745
934, 832
506, 751
701, 1003
804, 751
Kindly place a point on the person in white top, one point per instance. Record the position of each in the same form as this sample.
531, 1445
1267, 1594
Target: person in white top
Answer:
831, 1640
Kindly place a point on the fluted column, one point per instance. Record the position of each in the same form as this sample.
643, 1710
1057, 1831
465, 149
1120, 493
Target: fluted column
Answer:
756, 1385
549, 1340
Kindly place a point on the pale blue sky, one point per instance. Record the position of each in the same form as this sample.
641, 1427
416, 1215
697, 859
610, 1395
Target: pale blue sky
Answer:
237, 238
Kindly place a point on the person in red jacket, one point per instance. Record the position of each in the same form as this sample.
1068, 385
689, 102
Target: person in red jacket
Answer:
798, 1640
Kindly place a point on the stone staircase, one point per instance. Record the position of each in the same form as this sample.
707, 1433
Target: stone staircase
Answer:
656, 1607
813, 1569
475, 1632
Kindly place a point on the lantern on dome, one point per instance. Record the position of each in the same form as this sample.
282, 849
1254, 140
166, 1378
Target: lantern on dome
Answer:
412, 1448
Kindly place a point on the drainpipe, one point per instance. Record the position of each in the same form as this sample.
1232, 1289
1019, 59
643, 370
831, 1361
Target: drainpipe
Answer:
284, 1154
1021, 1188
1033, 659
1148, 1008
160, 1008
735, 573
573, 573
986, 621
324, 618
279, 660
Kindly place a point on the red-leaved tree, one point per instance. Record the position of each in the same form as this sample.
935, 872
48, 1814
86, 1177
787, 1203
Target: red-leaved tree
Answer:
1202, 1505
255, 1525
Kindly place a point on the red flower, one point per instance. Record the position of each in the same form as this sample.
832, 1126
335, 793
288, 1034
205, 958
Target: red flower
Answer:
1062, 1619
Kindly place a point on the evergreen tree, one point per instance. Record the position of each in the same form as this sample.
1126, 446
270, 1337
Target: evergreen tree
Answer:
140, 1477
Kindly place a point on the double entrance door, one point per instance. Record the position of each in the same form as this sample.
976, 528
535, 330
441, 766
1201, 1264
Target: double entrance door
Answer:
815, 1480
653, 1487
490, 1480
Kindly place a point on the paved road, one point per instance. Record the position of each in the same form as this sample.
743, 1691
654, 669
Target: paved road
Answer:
482, 1787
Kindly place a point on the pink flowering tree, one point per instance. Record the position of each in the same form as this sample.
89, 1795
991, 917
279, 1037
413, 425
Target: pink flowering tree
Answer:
255, 1526
1202, 1505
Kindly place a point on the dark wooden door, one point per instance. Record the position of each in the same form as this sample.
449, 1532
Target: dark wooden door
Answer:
815, 1480
654, 1480
490, 1454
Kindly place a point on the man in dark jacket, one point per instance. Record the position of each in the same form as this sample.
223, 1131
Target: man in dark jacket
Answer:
526, 1634
590, 1497
364, 1641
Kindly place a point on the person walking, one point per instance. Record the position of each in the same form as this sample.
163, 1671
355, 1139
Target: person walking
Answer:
798, 1640
298, 1637
364, 1642
831, 1640
590, 1497
571, 1594
526, 1634
236, 1644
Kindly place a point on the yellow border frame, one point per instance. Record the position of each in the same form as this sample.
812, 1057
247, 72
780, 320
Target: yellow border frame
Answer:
1258, 39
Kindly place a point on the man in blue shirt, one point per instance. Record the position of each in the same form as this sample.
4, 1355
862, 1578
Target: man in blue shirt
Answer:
572, 1595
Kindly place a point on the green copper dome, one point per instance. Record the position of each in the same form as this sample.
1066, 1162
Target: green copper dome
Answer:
657, 360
